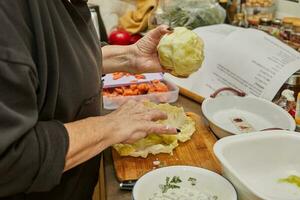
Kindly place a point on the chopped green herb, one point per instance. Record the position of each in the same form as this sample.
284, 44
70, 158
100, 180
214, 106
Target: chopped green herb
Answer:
167, 180
170, 184
215, 197
193, 181
176, 179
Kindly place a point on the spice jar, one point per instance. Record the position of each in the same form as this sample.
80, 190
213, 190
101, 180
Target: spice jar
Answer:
275, 28
276, 23
287, 28
295, 35
253, 21
293, 83
265, 24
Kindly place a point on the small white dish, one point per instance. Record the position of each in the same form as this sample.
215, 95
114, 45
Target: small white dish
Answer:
207, 182
229, 115
256, 162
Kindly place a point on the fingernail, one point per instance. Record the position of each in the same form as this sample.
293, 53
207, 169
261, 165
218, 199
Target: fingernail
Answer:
178, 130
170, 29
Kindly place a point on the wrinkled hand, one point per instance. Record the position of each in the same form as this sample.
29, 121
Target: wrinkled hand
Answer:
134, 121
145, 51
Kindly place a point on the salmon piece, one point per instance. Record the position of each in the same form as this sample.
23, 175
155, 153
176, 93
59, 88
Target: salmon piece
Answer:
155, 81
114, 94
117, 75
133, 86
119, 90
144, 87
152, 89
135, 91
128, 92
161, 87
139, 76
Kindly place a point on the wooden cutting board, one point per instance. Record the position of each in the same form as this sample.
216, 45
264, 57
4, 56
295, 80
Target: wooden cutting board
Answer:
196, 152
191, 95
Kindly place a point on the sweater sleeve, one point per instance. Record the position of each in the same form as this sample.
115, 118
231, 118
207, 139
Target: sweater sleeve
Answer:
32, 152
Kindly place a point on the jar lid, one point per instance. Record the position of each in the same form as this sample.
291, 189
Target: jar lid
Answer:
276, 22
265, 21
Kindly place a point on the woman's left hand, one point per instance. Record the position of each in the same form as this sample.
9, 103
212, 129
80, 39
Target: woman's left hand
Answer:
145, 51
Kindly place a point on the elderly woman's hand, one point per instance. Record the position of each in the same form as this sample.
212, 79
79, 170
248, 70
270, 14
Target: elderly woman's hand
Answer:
131, 122
134, 121
145, 51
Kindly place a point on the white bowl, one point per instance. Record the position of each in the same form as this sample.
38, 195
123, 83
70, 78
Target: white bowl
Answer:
207, 182
256, 113
255, 162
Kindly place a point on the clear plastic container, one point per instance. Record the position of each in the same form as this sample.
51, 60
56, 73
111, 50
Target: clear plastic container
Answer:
260, 8
111, 103
190, 14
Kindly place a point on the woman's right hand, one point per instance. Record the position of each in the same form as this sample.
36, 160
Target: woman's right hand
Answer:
134, 121
131, 122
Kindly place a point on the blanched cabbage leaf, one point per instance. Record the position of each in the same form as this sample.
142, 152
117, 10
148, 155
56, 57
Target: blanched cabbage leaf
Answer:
161, 143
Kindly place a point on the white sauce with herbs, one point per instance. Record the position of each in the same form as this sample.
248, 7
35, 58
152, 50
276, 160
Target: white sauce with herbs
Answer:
183, 194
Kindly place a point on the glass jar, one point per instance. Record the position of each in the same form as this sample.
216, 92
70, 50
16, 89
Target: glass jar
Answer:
253, 21
286, 29
295, 35
276, 23
292, 83
265, 24
275, 28
260, 8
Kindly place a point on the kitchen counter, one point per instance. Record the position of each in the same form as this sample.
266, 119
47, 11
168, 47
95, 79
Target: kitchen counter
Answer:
110, 185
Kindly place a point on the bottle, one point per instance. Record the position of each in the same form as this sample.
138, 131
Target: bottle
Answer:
224, 4
295, 35
239, 20
232, 9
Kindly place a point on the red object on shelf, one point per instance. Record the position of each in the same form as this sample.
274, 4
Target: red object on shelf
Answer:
119, 37
292, 112
134, 38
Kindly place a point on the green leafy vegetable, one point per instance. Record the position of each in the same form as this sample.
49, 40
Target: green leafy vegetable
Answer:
170, 184
191, 14
176, 179
192, 180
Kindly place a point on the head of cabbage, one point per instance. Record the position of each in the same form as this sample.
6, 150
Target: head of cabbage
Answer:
181, 52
